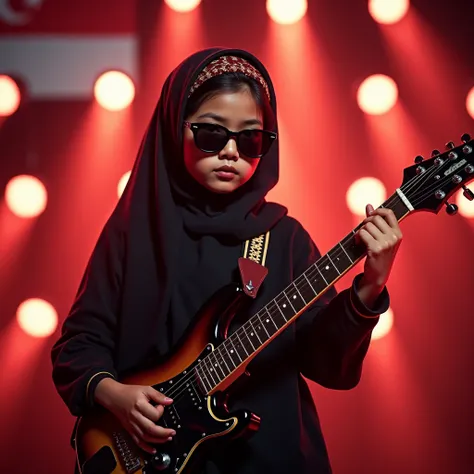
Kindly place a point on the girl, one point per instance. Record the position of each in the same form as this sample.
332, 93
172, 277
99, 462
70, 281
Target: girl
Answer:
196, 194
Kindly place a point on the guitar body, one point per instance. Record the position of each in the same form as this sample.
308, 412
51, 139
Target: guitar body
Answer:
201, 420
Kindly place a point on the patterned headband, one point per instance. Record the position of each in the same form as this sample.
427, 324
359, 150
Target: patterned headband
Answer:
225, 64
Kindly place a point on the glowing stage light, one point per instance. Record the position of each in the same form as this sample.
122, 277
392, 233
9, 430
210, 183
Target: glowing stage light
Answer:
470, 103
37, 317
377, 94
465, 207
114, 90
123, 182
183, 5
365, 191
384, 325
388, 11
26, 196
9, 96
287, 12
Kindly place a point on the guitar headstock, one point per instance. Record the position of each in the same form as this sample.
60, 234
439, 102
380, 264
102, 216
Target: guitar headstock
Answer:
428, 184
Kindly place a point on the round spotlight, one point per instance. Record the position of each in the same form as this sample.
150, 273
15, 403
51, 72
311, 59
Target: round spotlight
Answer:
470, 103
183, 6
26, 196
287, 12
377, 94
10, 96
114, 90
365, 191
37, 317
388, 11
384, 325
123, 182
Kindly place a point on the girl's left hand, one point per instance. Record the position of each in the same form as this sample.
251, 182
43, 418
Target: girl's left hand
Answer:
382, 236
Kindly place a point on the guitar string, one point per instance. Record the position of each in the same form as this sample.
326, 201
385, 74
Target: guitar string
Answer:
259, 316
434, 185
294, 285
179, 388
174, 389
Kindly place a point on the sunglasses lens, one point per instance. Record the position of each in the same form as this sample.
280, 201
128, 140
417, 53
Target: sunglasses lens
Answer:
210, 138
253, 143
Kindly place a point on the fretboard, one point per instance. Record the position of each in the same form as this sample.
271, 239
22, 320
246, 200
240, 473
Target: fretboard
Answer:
264, 326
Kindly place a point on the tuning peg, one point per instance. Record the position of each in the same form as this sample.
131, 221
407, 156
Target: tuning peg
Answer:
466, 138
450, 145
419, 159
434, 153
468, 194
451, 209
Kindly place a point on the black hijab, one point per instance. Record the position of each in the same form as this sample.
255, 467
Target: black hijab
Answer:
162, 205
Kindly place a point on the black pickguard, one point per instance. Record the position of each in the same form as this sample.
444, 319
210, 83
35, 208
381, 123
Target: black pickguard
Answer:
200, 422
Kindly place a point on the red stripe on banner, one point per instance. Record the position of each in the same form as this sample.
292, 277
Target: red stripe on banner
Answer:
67, 17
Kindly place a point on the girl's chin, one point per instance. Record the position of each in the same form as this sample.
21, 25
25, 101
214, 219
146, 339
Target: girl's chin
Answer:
222, 187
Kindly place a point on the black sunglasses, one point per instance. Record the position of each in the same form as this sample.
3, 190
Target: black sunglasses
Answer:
212, 138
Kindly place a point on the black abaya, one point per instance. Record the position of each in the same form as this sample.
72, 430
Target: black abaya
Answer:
165, 250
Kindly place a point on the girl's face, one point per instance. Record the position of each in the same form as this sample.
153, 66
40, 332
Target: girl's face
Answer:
235, 111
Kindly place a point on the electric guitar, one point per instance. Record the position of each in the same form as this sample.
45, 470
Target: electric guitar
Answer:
209, 360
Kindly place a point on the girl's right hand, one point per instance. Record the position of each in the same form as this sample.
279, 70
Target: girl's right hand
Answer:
132, 405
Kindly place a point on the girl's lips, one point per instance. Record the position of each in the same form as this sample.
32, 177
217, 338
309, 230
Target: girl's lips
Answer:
226, 175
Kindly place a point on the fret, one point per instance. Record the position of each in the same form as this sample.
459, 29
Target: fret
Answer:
345, 253
244, 340
306, 289
322, 276
202, 380
314, 276
210, 370
278, 316
226, 356
206, 371
253, 333
259, 329
238, 346
309, 283
261, 323
327, 269
234, 355
205, 376
271, 318
281, 301
299, 293
267, 322
222, 354
353, 250
297, 302
340, 259
249, 334
332, 263
217, 366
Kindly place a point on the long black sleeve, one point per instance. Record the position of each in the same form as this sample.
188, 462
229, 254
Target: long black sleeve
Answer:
334, 334
83, 355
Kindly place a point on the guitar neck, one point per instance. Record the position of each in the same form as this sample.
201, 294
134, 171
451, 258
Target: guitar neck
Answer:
259, 330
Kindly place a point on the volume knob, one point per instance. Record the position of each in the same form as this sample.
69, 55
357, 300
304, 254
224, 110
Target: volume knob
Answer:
160, 461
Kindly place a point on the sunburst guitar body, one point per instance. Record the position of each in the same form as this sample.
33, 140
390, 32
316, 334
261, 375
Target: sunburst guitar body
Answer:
198, 415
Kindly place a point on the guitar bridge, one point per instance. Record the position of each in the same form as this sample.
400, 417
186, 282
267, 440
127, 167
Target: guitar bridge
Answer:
130, 460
